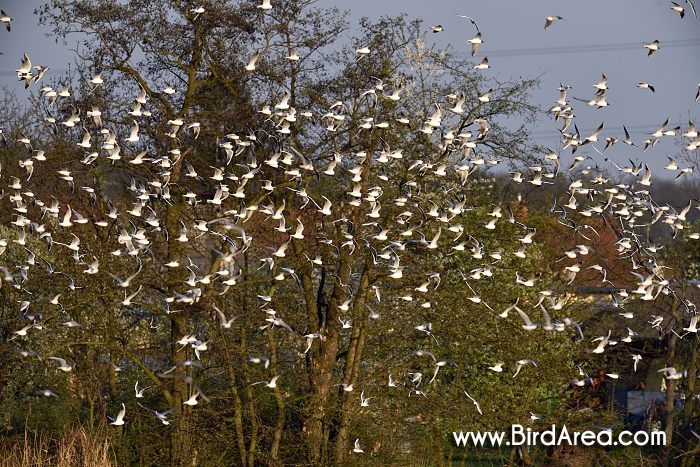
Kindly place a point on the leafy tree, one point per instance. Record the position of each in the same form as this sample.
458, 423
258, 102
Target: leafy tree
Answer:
238, 145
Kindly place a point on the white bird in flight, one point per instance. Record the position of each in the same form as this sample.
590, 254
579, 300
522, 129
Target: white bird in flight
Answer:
120, 417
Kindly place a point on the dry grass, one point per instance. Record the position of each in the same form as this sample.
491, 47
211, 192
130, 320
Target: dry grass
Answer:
77, 448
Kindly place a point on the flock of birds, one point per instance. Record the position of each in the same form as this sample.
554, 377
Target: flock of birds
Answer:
242, 188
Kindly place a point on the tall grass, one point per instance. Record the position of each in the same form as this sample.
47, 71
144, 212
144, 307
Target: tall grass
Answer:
76, 448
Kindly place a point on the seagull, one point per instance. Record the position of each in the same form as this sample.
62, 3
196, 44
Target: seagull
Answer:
672, 373
549, 20
693, 325
392, 383
364, 401
528, 326
437, 28
46, 393
6, 20
128, 298
656, 321
197, 12
678, 8
470, 20
162, 416
521, 363
120, 417
672, 165
253, 60
346, 387
498, 367
648, 86
476, 404
270, 384
345, 324
284, 102
134, 134
363, 51
684, 171
357, 449
293, 55
439, 365
24, 72
139, 391
310, 340
193, 399
524, 282
265, 5
126, 282
424, 353
602, 342
475, 42
62, 364
483, 65
427, 328
264, 360
646, 179
223, 321
652, 46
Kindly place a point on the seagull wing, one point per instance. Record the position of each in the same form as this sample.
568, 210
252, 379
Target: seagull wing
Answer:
524, 316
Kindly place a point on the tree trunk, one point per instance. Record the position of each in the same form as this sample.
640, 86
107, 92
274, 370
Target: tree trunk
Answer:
237, 406
351, 368
180, 441
671, 385
693, 445
324, 365
279, 424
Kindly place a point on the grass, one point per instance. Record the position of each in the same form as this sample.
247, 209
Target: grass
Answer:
76, 448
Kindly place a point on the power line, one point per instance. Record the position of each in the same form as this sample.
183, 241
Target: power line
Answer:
636, 129
568, 49
645, 130
575, 49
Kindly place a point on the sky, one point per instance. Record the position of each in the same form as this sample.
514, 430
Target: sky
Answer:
570, 52
595, 37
